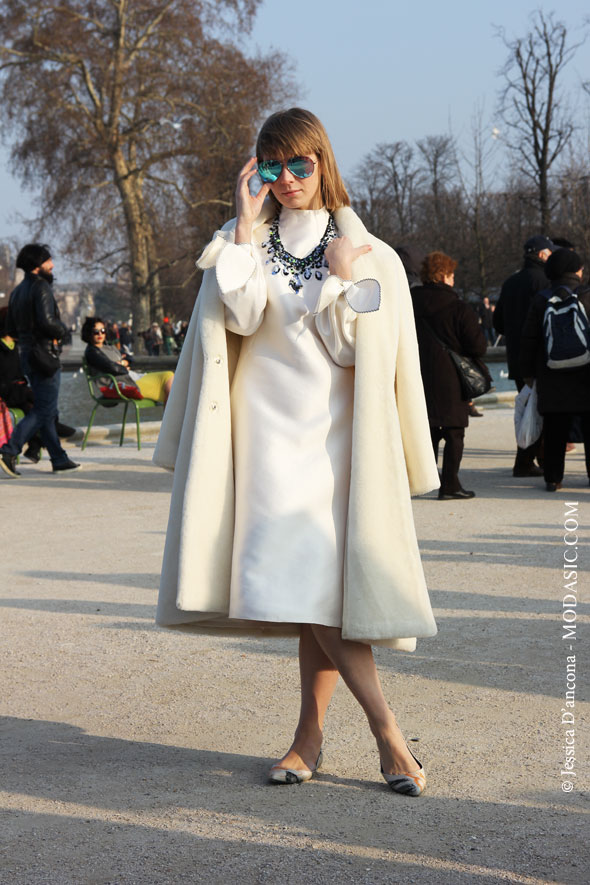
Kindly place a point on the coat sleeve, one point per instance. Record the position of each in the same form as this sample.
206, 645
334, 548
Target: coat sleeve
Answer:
101, 362
470, 333
531, 339
47, 320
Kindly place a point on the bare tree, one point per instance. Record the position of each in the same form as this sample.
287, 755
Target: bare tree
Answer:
572, 214
440, 167
474, 175
532, 102
384, 187
132, 116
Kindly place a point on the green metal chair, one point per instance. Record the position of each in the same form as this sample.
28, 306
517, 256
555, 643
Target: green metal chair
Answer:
111, 402
17, 414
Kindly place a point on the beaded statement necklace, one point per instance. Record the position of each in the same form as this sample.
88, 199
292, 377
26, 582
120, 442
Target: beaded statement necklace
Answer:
294, 267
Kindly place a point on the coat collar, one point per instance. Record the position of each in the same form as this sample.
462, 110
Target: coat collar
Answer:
347, 222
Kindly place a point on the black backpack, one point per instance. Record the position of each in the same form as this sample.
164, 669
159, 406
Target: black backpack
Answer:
566, 330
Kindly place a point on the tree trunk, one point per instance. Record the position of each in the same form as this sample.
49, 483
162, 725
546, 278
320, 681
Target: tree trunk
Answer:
544, 202
139, 237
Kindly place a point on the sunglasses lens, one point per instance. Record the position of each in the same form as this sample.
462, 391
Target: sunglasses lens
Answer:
269, 170
301, 167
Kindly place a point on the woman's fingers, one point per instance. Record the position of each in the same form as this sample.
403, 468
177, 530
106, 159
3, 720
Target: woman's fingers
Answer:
248, 206
248, 169
341, 254
361, 250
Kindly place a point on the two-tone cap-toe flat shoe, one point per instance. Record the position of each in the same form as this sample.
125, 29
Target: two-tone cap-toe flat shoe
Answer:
409, 783
293, 775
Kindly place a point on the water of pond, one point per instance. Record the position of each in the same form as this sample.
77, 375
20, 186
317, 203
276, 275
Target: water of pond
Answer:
499, 373
75, 404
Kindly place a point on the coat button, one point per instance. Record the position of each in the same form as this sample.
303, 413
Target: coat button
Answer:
218, 360
213, 407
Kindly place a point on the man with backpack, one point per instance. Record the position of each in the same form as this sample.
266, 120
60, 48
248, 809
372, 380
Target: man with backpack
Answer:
555, 352
510, 314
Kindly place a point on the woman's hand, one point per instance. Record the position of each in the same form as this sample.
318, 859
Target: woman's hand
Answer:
248, 207
340, 255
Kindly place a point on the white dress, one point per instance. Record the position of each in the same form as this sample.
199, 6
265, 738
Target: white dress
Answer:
292, 402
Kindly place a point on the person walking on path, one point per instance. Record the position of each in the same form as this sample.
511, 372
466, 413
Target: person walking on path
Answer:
442, 319
16, 392
33, 319
510, 315
563, 393
486, 318
297, 432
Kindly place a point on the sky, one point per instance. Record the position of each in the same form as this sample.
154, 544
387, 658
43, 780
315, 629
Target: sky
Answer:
379, 71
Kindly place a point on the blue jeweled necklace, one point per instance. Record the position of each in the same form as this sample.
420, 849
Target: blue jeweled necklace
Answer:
294, 267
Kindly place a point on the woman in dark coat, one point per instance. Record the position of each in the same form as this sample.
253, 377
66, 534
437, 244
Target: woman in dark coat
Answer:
102, 357
441, 314
562, 393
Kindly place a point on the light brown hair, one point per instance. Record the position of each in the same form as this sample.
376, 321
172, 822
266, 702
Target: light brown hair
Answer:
297, 132
436, 266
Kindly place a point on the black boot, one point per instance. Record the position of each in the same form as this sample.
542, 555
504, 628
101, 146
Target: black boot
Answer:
33, 450
64, 430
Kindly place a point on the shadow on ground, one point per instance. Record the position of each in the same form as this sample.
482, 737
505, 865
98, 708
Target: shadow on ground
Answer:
128, 811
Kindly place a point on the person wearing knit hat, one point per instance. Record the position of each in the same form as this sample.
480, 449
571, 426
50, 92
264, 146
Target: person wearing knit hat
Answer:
33, 320
562, 394
510, 314
561, 262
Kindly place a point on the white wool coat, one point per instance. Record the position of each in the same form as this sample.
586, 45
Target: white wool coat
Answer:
385, 598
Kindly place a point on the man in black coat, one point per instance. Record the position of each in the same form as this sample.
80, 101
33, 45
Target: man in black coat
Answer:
562, 393
441, 316
33, 319
510, 315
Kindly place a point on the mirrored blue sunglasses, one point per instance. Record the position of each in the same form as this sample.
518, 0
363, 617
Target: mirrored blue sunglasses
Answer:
300, 167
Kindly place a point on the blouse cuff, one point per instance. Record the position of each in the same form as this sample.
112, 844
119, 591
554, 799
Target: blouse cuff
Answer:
363, 296
235, 266
213, 250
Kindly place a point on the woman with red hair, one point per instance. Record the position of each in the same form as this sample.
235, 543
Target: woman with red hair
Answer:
444, 321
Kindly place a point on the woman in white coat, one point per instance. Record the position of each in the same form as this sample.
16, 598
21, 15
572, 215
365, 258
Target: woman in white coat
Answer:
297, 430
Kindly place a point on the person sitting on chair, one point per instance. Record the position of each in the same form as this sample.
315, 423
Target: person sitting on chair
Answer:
102, 357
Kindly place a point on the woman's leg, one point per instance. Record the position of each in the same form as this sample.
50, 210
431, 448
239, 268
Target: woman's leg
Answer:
355, 663
452, 455
556, 428
318, 680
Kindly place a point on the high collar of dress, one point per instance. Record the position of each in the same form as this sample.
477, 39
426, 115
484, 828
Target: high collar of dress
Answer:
302, 229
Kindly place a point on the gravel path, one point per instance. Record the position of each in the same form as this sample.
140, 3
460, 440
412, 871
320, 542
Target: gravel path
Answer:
132, 754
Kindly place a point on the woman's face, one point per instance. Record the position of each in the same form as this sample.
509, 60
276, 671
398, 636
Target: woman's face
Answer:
98, 334
298, 193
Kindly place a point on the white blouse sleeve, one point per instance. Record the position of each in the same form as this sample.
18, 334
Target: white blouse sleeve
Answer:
338, 305
242, 288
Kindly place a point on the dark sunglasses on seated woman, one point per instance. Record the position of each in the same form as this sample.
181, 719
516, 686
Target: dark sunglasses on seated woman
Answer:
99, 331
300, 167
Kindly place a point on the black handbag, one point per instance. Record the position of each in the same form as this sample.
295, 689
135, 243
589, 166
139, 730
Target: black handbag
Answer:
474, 377
43, 361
